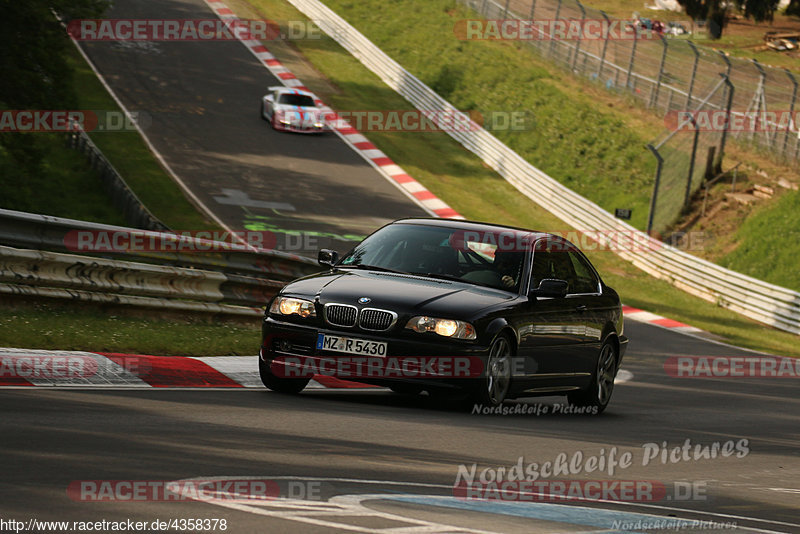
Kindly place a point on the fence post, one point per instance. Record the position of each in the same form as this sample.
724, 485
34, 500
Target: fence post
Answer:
791, 111
691, 163
553, 41
654, 97
533, 8
759, 99
578, 41
505, 9
727, 63
630, 63
727, 80
605, 46
694, 74
728, 105
654, 196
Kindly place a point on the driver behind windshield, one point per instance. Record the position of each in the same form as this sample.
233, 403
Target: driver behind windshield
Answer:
509, 266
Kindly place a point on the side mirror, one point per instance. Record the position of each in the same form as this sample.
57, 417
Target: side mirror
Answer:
328, 258
551, 287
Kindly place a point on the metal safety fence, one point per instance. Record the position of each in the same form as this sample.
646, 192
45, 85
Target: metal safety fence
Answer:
38, 260
122, 196
56, 234
673, 76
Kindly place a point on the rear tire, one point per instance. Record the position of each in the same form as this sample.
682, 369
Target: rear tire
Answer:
290, 386
598, 395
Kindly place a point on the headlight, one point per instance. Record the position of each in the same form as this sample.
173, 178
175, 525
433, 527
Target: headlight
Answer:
292, 306
443, 327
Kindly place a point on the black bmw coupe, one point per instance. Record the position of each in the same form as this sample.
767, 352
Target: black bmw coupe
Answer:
450, 306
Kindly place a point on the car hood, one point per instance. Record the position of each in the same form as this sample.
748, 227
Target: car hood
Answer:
398, 292
298, 109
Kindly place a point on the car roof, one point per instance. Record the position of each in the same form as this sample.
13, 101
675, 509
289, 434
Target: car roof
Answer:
291, 90
478, 226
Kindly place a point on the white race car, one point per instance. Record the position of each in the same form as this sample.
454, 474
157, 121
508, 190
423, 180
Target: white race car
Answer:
293, 110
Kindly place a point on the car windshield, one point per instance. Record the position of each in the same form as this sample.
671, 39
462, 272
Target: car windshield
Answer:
494, 259
292, 99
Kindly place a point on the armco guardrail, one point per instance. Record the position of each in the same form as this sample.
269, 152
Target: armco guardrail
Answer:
122, 197
767, 303
80, 278
43, 232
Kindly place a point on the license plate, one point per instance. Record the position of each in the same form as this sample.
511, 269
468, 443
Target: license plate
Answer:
351, 345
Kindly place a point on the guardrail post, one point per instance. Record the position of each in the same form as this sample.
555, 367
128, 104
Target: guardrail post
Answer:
654, 97
578, 41
657, 182
605, 46
791, 111
691, 164
694, 74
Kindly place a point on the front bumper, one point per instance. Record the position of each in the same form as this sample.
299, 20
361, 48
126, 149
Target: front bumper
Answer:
300, 127
623, 346
427, 362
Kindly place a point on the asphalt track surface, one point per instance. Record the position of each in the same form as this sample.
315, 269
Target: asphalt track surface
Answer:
52, 438
199, 103
363, 460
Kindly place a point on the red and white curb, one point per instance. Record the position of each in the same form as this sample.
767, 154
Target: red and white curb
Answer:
641, 316
31, 367
380, 161
20, 368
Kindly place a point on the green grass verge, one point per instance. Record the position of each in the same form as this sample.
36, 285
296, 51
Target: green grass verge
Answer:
769, 241
64, 326
63, 186
130, 155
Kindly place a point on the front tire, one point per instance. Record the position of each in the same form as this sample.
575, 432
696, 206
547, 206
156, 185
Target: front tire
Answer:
494, 385
598, 395
290, 386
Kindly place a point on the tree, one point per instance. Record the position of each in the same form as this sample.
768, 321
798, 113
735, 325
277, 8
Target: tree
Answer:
712, 11
758, 10
793, 8
32, 50
36, 75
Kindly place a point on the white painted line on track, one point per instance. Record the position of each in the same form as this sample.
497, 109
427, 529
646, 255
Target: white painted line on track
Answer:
547, 512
